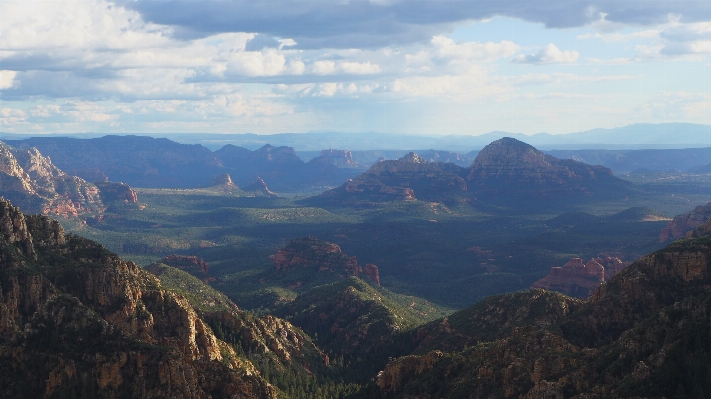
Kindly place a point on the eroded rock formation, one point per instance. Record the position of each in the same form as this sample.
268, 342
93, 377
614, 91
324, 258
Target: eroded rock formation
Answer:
116, 191
579, 279
682, 224
33, 182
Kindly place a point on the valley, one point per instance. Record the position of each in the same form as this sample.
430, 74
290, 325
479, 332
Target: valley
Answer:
410, 265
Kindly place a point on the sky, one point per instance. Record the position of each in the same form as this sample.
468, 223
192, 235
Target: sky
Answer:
390, 66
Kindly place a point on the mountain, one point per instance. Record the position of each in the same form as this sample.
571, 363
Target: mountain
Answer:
511, 169
408, 178
30, 179
643, 334
78, 321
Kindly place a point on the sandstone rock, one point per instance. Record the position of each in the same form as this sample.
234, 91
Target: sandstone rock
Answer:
33, 182
580, 279
682, 224
372, 272
310, 252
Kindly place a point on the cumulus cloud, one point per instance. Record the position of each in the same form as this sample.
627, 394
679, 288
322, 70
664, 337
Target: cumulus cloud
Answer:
7, 79
548, 55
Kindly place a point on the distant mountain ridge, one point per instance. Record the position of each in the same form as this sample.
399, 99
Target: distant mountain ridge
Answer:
161, 163
634, 136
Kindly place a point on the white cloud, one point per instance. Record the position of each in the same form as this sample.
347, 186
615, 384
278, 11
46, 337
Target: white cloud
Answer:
256, 63
359, 68
548, 55
324, 67
622, 37
447, 49
45, 111
11, 116
7, 79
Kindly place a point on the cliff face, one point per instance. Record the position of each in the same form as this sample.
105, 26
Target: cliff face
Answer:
579, 279
682, 224
32, 181
510, 167
76, 318
628, 340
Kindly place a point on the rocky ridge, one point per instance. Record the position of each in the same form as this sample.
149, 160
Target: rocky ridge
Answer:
32, 181
76, 318
628, 340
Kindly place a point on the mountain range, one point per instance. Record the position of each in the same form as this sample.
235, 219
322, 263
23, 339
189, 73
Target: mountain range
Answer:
505, 171
635, 136
162, 163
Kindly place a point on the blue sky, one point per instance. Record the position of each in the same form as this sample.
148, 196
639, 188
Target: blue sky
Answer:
392, 66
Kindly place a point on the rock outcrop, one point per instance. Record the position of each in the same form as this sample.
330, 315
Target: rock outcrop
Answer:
77, 320
682, 224
31, 180
579, 279
304, 257
319, 256
259, 186
224, 180
116, 191
371, 271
